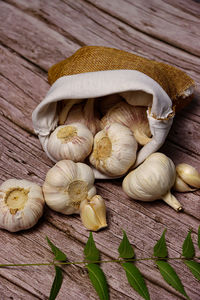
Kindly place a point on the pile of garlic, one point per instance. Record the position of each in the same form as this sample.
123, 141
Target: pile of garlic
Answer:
108, 137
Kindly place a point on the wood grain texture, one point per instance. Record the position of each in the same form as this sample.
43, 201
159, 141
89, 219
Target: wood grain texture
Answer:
36, 34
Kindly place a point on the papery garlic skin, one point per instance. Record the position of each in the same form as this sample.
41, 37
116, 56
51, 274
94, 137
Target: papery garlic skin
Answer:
134, 117
188, 174
152, 180
114, 150
21, 204
93, 213
67, 184
73, 141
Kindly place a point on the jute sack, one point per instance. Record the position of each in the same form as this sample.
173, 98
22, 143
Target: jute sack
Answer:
95, 71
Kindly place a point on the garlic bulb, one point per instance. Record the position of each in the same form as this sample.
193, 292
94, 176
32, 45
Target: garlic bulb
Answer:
73, 141
93, 213
181, 186
152, 180
138, 98
63, 113
114, 150
188, 174
107, 102
134, 117
67, 184
86, 114
21, 204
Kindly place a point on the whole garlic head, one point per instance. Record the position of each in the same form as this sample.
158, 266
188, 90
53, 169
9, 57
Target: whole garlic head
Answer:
114, 150
73, 141
152, 180
93, 213
21, 204
134, 117
67, 184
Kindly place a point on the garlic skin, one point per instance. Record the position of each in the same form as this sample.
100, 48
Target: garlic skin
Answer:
62, 116
93, 213
114, 150
181, 186
86, 114
67, 184
153, 180
188, 174
21, 204
134, 117
73, 142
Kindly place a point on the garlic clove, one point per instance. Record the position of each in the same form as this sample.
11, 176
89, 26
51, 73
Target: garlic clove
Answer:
151, 180
67, 184
138, 98
73, 141
134, 117
21, 204
65, 110
107, 102
181, 186
93, 213
114, 150
188, 174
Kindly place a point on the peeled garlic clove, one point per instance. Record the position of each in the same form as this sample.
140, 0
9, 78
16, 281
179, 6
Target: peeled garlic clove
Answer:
73, 141
114, 150
188, 174
181, 186
67, 184
134, 117
21, 204
65, 110
93, 213
152, 180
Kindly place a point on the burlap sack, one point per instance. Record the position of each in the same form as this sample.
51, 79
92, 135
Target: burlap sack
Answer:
94, 71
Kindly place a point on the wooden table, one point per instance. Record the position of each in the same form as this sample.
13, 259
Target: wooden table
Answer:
34, 36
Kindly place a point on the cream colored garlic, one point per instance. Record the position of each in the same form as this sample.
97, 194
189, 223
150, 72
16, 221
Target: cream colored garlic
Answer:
114, 150
21, 204
93, 213
107, 102
181, 186
62, 116
67, 184
73, 141
134, 117
153, 180
138, 98
188, 174
86, 114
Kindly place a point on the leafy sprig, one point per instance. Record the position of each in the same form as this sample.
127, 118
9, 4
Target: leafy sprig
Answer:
127, 261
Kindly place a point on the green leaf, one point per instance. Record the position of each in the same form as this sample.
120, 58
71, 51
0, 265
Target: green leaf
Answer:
56, 283
59, 255
125, 249
199, 237
91, 252
160, 248
136, 280
170, 276
188, 247
194, 268
98, 280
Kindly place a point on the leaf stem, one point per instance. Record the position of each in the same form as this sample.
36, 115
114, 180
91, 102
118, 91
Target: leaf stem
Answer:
54, 263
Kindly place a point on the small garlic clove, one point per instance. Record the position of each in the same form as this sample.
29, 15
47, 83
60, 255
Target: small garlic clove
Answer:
21, 204
134, 117
73, 141
67, 184
188, 174
181, 186
65, 110
93, 213
114, 150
